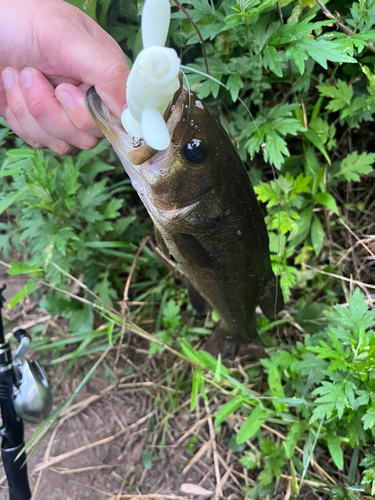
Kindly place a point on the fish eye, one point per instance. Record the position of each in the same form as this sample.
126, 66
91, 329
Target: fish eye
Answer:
194, 151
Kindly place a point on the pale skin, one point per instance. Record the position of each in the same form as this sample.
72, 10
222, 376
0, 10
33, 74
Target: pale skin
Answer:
50, 54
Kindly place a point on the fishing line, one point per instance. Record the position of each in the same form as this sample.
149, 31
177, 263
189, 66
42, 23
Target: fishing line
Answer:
202, 73
189, 104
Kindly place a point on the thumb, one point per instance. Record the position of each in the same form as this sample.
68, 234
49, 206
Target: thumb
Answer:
110, 83
97, 61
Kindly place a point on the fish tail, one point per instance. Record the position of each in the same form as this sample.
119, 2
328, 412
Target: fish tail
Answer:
228, 346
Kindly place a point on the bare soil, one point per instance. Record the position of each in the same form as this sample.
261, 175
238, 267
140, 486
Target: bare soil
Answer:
95, 451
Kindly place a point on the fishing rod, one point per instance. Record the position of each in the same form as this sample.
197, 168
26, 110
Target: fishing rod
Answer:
25, 394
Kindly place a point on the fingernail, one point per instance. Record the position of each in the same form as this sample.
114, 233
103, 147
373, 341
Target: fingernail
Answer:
65, 100
8, 78
26, 79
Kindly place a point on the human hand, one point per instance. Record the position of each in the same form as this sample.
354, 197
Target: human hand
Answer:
50, 54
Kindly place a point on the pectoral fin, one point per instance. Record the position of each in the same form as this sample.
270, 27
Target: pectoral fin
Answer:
197, 301
161, 243
193, 251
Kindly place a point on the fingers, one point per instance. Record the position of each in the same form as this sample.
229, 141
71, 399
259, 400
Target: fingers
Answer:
18, 130
73, 101
89, 60
43, 105
18, 113
3, 99
37, 116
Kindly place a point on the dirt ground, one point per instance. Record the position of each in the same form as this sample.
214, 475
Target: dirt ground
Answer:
95, 451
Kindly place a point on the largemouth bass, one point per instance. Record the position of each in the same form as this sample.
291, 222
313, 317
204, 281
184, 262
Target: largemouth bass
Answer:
206, 215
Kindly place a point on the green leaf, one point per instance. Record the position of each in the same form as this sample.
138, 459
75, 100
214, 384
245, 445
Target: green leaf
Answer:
340, 96
294, 434
234, 84
171, 316
327, 200
334, 448
85, 156
317, 235
217, 375
107, 244
21, 153
315, 140
7, 202
81, 320
266, 131
332, 397
190, 353
272, 59
96, 167
355, 165
18, 267
147, 459
275, 385
24, 292
369, 419
251, 426
323, 50
267, 193
110, 332
194, 389
227, 410
250, 459
302, 226
164, 337
275, 149
299, 57
10, 171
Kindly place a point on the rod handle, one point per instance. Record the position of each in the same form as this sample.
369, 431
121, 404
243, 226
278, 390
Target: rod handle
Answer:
16, 473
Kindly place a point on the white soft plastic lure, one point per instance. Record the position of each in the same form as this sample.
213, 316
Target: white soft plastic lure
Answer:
153, 79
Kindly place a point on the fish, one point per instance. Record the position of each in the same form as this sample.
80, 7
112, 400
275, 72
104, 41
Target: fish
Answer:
206, 215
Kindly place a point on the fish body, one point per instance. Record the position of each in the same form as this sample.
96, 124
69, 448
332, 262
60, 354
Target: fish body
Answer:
206, 215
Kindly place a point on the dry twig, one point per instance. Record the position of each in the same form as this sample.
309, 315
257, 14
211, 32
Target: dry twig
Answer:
125, 300
218, 492
150, 495
328, 14
108, 439
187, 15
332, 275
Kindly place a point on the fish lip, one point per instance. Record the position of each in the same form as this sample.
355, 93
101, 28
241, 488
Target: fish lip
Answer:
110, 126
135, 154
137, 160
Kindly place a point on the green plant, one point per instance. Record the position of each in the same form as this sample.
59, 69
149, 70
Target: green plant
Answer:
320, 390
296, 92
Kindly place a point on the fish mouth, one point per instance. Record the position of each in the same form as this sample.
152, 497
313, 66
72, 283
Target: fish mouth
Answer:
135, 150
137, 157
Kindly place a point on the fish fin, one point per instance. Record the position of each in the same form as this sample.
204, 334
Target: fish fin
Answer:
271, 302
228, 346
161, 243
197, 301
193, 251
